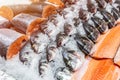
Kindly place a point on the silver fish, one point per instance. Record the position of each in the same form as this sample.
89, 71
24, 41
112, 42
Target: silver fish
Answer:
43, 65
51, 52
61, 39
92, 32
108, 18
84, 44
83, 14
100, 24
101, 3
71, 60
91, 6
63, 73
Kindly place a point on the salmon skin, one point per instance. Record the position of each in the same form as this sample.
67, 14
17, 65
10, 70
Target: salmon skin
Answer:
4, 23
98, 70
9, 11
10, 42
26, 22
6, 12
68, 40
32, 12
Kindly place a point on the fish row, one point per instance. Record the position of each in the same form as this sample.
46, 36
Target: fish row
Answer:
75, 35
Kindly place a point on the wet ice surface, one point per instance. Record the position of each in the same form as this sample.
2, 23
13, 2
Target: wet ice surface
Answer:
4, 76
17, 70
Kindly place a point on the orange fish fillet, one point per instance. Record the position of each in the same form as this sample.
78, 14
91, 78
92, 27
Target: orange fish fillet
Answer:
98, 70
26, 8
6, 12
26, 22
117, 57
57, 2
48, 10
11, 42
108, 44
